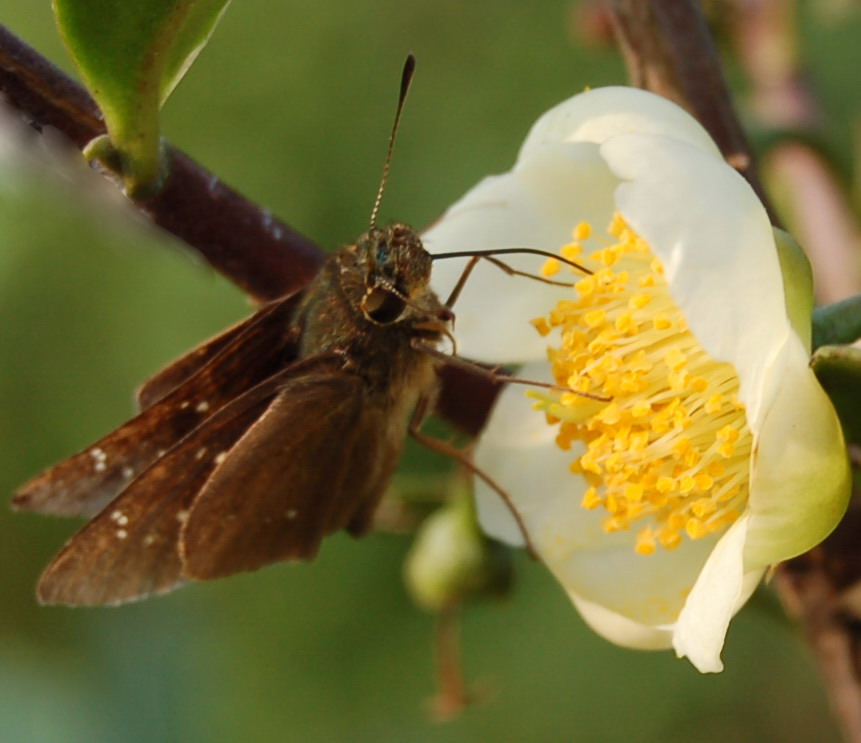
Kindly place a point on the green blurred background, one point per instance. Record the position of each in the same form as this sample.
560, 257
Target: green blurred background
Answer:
291, 103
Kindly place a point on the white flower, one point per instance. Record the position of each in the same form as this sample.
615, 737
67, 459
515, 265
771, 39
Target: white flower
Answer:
714, 453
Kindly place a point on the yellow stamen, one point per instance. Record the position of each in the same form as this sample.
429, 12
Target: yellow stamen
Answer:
670, 449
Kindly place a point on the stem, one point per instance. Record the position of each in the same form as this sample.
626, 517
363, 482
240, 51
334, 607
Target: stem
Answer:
452, 694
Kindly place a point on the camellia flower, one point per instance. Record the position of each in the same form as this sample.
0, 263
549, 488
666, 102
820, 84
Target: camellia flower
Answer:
695, 447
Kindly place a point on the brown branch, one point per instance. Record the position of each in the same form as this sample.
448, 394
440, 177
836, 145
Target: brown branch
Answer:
669, 50
263, 256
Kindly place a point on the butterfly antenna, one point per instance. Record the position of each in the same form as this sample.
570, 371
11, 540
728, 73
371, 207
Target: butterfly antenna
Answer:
406, 78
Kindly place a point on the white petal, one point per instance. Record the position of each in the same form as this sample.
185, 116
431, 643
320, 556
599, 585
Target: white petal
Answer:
713, 236
597, 115
621, 630
721, 589
648, 589
800, 478
535, 206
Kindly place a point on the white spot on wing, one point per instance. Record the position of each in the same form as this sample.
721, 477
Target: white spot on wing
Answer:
182, 516
122, 533
291, 514
202, 406
99, 459
119, 517
201, 453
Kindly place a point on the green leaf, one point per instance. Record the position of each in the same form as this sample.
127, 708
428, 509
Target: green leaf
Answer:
838, 369
131, 54
837, 323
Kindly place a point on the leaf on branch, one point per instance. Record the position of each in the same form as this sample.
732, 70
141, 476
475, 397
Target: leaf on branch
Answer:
838, 369
131, 56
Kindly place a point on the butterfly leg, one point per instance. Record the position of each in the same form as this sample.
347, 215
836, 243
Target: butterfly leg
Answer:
443, 447
495, 374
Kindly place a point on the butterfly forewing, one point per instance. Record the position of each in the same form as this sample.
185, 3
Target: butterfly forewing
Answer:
85, 483
185, 367
305, 469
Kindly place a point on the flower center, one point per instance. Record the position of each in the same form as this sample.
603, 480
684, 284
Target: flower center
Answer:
670, 450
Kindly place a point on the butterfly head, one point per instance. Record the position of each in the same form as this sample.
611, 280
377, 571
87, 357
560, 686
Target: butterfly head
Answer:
397, 273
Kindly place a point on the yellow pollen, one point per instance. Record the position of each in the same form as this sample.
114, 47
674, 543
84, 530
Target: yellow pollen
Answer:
541, 325
668, 451
713, 404
551, 267
595, 318
582, 231
638, 301
591, 499
572, 251
645, 542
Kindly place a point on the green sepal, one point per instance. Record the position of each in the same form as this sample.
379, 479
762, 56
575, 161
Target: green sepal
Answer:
131, 56
838, 369
797, 284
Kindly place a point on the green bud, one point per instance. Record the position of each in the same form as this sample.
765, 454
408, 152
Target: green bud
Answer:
452, 561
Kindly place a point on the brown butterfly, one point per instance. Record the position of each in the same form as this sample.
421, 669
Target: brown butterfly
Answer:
253, 447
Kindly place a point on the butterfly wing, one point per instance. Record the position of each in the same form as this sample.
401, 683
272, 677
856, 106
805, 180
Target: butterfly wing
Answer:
83, 484
131, 549
322, 453
185, 367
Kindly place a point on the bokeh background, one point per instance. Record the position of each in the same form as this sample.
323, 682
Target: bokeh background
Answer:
291, 103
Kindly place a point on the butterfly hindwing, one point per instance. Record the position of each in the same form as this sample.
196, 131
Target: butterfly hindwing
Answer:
131, 549
305, 468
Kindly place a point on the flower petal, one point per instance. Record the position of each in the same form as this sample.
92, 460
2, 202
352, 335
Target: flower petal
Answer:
619, 629
721, 589
713, 236
536, 205
597, 115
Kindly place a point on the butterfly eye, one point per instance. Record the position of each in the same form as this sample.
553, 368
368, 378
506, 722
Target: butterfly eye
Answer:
382, 306
382, 254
